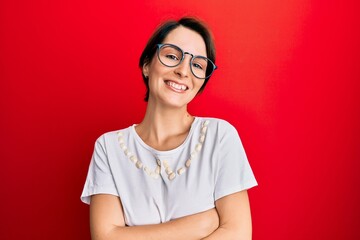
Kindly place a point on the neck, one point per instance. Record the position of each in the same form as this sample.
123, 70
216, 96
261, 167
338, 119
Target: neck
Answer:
161, 124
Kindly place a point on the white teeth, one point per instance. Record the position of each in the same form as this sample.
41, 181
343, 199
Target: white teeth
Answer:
176, 86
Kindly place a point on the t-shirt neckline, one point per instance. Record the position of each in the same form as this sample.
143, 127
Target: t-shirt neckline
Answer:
166, 152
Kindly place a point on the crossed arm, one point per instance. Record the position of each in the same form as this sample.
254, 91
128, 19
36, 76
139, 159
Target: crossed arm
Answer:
231, 219
234, 216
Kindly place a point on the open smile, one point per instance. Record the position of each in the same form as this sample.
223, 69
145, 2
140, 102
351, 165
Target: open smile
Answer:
176, 86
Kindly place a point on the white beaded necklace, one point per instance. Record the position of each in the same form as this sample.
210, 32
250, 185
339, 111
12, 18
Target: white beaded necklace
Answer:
156, 172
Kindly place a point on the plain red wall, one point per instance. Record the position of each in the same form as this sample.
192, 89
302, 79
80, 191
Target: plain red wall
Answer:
288, 79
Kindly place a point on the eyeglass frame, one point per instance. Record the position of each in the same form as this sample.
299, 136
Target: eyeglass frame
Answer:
160, 45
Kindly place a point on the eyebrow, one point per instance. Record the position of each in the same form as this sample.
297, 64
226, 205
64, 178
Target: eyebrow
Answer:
197, 55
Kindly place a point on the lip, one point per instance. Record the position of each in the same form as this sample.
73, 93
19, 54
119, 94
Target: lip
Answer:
175, 89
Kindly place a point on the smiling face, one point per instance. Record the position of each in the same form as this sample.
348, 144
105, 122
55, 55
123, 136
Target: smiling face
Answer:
176, 86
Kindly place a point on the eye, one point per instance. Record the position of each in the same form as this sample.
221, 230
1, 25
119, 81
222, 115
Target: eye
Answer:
197, 65
172, 57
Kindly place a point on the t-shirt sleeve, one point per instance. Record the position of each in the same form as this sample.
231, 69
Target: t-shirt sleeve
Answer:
99, 178
234, 171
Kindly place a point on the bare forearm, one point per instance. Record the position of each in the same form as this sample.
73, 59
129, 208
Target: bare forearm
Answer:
107, 223
173, 230
223, 233
235, 218
194, 227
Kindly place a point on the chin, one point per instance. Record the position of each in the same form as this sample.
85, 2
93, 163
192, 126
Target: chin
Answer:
176, 102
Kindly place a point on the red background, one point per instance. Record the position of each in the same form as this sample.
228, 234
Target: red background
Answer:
288, 79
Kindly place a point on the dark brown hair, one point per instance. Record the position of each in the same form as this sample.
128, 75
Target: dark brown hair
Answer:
160, 34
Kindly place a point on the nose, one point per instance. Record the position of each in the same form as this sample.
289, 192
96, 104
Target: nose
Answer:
183, 69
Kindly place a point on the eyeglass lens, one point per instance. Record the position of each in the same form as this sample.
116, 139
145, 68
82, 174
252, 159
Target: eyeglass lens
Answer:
172, 56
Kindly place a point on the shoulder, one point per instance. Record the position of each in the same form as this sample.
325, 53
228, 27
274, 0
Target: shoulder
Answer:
111, 136
220, 126
219, 130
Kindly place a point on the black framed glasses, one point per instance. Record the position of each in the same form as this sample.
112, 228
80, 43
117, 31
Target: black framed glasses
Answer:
171, 56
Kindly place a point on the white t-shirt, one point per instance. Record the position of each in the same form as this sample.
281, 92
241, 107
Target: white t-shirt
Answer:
158, 186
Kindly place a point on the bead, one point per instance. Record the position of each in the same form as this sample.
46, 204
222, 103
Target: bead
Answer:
198, 147
206, 123
121, 140
133, 158
123, 147
147, 170
203, 129
181, 171
120, 134
166, 163
128, 153
188, 163
172, 176
157, 170
202, 138
193, 155
168, 170
139, 164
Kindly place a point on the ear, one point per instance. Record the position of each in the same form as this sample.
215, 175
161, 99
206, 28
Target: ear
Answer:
145, 69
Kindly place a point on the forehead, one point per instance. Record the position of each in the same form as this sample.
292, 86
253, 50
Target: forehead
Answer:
187, 39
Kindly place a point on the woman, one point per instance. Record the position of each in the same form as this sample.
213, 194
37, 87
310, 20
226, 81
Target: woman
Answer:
173, 176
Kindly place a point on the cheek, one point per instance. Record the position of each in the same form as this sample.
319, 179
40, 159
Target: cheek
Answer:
156, 68
199, 83
156, 74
